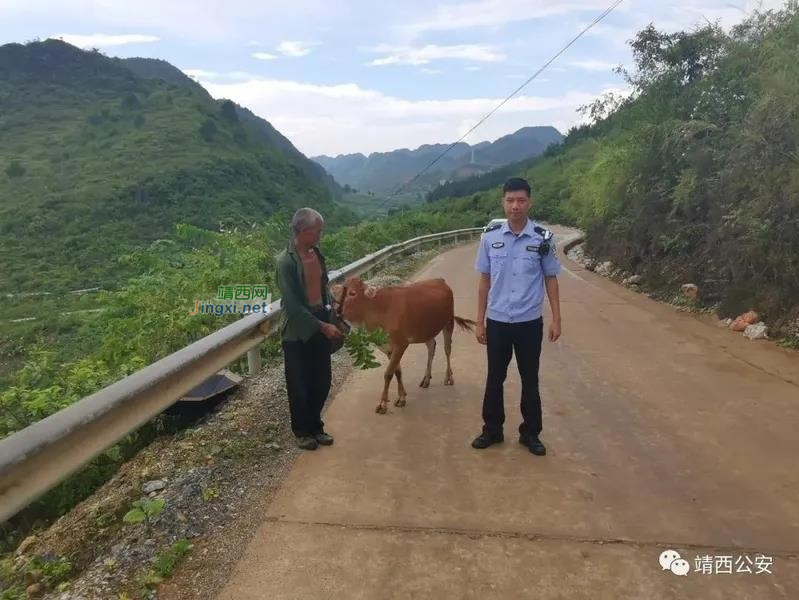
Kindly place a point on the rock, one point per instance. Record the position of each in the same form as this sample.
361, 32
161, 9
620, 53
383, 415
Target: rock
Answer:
273, 446
632, 280
723, 323
153, 486
577, 254
689, 290
756, 331
590, 264
26, 543
34, 590
744, 320
33, 576
605, 268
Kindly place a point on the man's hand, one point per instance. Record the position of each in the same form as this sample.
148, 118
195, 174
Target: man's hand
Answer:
554, 331
330, 331
480, 333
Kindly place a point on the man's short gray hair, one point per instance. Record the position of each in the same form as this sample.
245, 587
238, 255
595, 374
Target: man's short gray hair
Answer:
305, 218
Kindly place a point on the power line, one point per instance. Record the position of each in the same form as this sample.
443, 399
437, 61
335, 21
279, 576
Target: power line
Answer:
607, 11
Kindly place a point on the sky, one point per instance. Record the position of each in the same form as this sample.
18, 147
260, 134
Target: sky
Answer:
365, 76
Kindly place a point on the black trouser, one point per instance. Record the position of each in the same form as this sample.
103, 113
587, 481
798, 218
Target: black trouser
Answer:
307, 367
502, 340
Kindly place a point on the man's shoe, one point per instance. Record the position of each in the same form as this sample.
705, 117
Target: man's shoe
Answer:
307, 443
324, 438
484, 440
533, 444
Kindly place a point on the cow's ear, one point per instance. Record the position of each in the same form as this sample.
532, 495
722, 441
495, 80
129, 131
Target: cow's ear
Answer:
370, 292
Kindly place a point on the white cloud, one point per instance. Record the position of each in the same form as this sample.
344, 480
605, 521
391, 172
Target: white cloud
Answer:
290, 48
727, 13
407, 55
104, 40
324, 118
672, 18
488, 13
472, 68
594, 65
198, 20
287, 48
427, 71
201, 74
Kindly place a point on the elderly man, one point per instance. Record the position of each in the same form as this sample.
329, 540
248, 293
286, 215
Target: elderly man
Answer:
305, 328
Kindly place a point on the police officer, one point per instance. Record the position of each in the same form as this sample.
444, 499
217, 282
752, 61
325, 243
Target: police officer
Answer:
517, 262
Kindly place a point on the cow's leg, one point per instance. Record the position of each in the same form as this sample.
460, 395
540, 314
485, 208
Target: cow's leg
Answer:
401, 394
431, 351
448, 380
397, 350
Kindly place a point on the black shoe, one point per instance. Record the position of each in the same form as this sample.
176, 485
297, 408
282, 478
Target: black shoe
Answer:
325, 439
533, 444
484, 440
307, 443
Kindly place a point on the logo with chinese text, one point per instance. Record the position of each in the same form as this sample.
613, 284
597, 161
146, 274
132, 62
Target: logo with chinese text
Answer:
726, 564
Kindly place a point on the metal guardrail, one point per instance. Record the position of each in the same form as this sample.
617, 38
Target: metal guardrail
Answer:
37, 458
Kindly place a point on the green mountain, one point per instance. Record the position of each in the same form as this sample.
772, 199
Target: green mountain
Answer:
103, 155
384, 172
694, 178
160, 69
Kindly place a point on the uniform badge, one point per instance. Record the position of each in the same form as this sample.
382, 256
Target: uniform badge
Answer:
497, 244
532, 248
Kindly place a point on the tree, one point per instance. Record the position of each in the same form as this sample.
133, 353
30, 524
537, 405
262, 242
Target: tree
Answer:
15, 169
208, 130
228, 111
687, 56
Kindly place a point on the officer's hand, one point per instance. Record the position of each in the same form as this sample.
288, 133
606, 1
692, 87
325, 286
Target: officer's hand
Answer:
330, 331
554, 331
480, 333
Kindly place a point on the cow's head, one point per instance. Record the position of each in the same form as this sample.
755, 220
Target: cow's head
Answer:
352, 298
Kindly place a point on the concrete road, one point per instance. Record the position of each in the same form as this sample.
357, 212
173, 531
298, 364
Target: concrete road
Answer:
663, 432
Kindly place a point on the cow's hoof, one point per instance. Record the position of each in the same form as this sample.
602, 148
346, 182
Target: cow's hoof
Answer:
425, 383
449, 381
381, 409
399, 402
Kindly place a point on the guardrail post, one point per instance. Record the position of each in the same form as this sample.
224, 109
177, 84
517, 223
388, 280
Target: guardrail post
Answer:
254, 360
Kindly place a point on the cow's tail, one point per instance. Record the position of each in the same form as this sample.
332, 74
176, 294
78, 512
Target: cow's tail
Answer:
466, 324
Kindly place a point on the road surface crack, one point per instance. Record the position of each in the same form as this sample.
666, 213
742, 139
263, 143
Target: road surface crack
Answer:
534, 537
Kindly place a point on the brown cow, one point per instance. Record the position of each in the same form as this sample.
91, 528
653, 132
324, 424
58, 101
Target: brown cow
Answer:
414, 313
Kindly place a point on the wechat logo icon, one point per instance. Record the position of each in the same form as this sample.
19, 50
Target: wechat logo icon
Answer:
670, 560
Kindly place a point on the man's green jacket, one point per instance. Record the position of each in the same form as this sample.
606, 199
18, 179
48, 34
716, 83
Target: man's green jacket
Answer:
297, 322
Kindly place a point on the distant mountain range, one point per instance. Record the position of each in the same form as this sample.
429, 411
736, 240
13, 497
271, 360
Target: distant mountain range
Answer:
384, 172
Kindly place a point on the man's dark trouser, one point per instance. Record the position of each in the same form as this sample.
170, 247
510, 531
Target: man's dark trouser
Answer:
308, 376
525, 340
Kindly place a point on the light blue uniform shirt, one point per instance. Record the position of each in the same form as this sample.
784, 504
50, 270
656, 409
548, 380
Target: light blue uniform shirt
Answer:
517, 272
